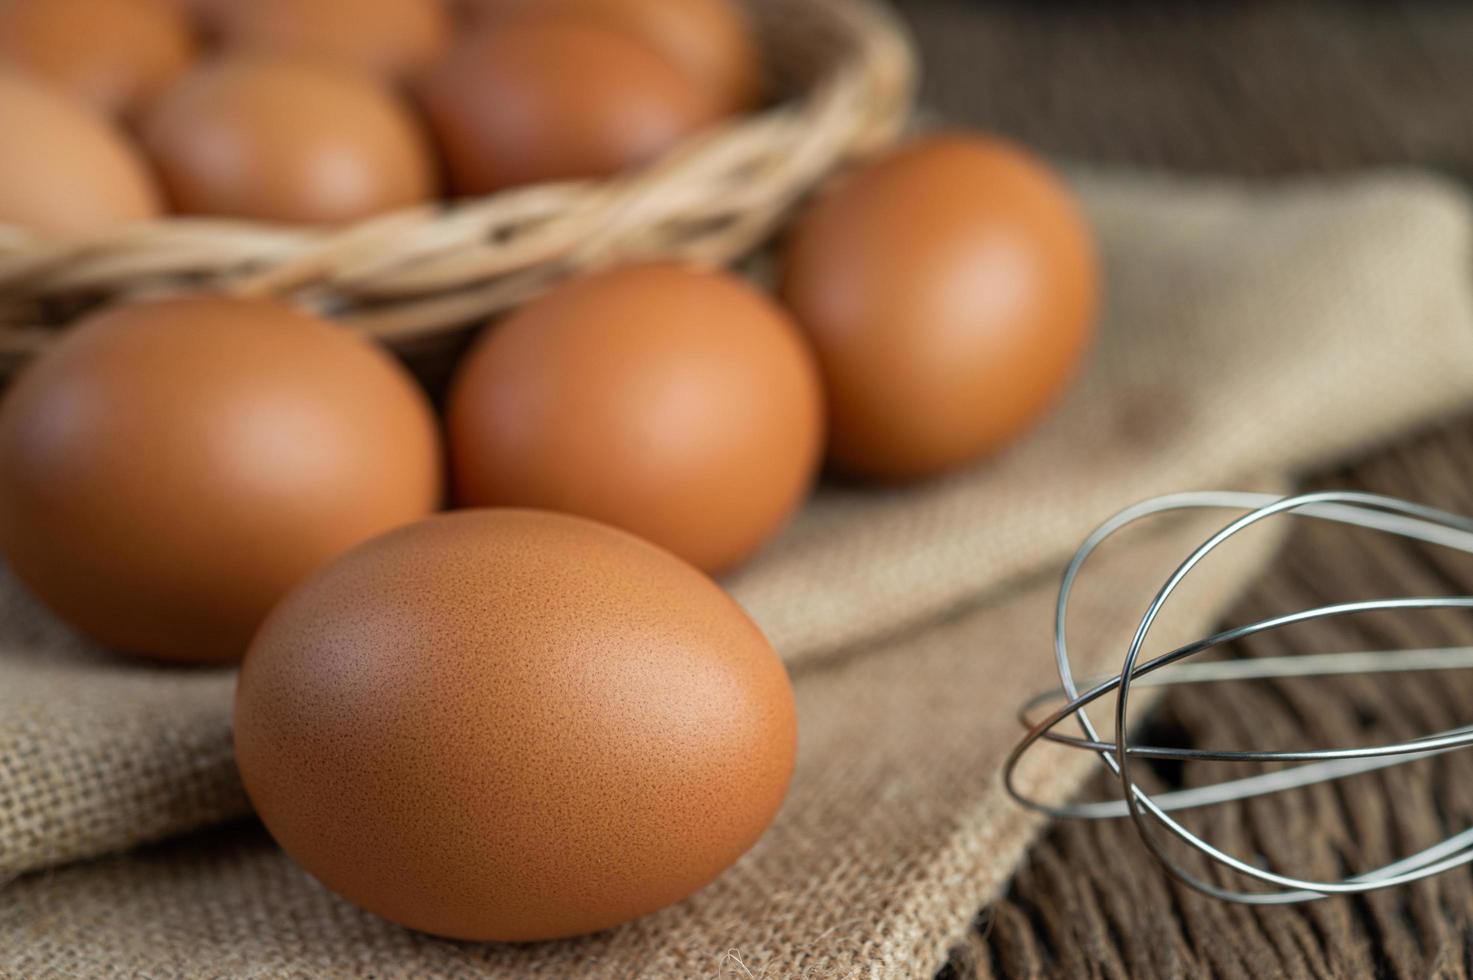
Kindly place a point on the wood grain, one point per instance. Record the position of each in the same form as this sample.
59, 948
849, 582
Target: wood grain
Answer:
1091, 902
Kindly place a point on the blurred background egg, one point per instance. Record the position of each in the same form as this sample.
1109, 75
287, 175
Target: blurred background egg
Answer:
66, 170
170, 468
113, 54
949, 290
513, 725
287, 141
677, 404
551, 98
390, 38
712, 41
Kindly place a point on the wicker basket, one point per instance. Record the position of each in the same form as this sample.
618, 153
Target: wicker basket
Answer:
418, 279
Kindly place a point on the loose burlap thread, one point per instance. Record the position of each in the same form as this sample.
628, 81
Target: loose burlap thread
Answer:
1246, 334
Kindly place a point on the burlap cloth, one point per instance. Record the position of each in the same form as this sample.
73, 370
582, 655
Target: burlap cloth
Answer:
1246, 334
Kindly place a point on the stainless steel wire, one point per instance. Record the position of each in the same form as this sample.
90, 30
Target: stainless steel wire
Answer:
1152, 814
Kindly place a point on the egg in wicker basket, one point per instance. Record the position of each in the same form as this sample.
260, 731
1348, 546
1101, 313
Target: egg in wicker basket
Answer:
418, 279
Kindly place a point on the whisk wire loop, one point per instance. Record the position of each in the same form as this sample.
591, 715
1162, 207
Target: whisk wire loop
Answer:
1150, 813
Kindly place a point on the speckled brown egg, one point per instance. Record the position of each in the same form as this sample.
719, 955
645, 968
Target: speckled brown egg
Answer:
113, 54
552, 98
950, 291
289, 142
170, 468
66, 170
513, 725
678, 404
390, 38
712, 41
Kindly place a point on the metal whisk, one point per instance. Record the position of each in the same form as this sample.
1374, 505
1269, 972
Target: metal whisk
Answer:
1153, 813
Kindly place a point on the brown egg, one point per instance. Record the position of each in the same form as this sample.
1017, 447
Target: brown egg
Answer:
950, 291
711, 40
552, 98
677, 404
112, 54
73, 173
194, 8
287, 142
513, 725
201, 13
170, 468
390, 38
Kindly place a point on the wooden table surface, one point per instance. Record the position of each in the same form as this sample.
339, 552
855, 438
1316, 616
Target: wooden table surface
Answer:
1257, 89
1091, 902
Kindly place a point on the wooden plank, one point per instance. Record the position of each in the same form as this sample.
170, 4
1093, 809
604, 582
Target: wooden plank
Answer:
1091, 902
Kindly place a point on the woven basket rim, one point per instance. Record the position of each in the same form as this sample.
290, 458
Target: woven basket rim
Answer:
411, 276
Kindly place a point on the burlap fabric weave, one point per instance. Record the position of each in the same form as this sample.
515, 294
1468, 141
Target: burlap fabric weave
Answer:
1246, 334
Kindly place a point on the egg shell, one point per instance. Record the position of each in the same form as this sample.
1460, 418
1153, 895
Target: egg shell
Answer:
67, 170
713, 41
513, 725
555, 98
113, 54
170, 468
950, 290
287, 141
389, 38
678, 404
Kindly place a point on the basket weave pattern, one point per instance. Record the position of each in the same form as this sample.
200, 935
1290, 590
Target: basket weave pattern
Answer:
417, 278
